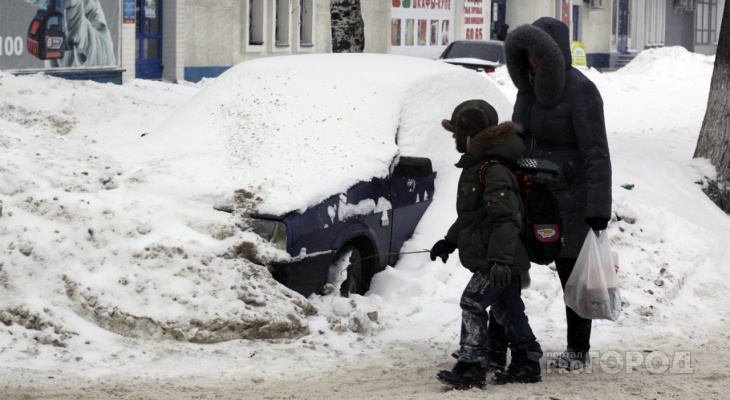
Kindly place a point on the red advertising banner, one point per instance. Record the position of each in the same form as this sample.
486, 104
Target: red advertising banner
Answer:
474, 21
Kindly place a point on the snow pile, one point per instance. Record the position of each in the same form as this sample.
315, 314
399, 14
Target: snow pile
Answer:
84, 231
669, 77
674, 61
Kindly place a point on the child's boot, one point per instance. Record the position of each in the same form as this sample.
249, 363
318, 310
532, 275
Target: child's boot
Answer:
521, 370
493, 361
465, 375
496, 362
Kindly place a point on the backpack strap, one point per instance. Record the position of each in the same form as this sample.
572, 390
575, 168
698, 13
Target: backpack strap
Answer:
483, 171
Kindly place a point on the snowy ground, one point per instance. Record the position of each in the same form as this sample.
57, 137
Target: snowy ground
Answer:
78, 202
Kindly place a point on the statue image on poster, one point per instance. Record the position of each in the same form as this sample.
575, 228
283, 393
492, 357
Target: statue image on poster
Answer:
70, 33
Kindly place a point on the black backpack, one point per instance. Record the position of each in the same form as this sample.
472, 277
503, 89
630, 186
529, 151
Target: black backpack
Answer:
541, 220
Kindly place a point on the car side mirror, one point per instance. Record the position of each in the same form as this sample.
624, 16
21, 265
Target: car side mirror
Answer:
412, 167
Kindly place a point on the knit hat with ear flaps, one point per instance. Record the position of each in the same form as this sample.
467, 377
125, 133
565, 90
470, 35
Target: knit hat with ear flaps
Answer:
471, 117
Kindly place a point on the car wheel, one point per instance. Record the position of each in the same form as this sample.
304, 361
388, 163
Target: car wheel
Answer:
351, 269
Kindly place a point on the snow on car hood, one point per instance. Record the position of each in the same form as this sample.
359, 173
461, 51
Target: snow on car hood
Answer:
469, 60
294, 130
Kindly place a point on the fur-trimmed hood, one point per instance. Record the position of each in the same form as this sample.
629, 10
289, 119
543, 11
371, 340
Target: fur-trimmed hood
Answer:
548, 40
499, 142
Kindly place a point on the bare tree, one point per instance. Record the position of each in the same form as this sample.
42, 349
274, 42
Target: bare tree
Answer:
348, 27
714, 140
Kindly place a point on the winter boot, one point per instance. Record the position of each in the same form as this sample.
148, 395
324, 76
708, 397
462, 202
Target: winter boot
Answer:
493, 361
571, 360
496, 362
521, 370
465, 376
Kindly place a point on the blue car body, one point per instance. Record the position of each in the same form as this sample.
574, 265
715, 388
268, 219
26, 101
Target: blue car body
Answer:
378, 235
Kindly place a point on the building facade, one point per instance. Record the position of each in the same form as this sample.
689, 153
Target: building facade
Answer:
194, 39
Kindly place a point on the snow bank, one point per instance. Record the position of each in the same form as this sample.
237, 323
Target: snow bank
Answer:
83, 231
674, 61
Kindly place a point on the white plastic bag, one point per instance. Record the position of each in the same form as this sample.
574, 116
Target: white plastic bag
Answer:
592, 288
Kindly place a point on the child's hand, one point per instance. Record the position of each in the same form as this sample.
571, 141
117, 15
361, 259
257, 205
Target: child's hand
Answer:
500, 275
442, 249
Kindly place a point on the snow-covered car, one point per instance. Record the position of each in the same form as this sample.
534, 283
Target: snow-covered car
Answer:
368, 223
324, 155
479, 55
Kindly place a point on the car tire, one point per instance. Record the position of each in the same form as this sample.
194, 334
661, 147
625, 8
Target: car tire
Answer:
353, 283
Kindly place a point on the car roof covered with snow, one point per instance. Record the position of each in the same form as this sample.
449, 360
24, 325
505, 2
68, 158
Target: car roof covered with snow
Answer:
294, 130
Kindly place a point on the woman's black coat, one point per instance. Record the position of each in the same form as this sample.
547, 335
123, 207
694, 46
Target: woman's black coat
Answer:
560, 113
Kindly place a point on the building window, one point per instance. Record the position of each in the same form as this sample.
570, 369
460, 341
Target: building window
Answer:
256, 22
656, 13
283, 13
306, 23
706, 22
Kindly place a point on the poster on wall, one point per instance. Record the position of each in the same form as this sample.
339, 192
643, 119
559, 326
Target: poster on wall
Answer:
44, 34
129, 12
474, 21
445, 32
395, 32
409, 32
434, 34
149, 9
422, 32
579, 53
421, 27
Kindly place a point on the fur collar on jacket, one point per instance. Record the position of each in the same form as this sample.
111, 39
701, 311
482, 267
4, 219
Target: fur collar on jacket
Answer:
499, 142
540, 40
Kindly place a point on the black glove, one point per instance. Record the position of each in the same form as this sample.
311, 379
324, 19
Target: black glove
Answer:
597, 224
500, 275
442, 249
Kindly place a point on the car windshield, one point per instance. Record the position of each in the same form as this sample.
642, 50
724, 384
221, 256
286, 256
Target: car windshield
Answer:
481, 50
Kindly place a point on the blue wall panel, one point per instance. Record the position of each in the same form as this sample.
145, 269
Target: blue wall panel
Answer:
101, 76
599, 60
195, 74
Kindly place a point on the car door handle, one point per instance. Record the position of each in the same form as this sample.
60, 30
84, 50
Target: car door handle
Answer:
384, 221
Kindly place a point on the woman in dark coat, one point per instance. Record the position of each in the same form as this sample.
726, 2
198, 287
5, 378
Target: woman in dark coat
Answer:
560, 113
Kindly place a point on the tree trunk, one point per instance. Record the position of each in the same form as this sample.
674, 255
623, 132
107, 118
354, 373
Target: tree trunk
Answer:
714, 140
348, 27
